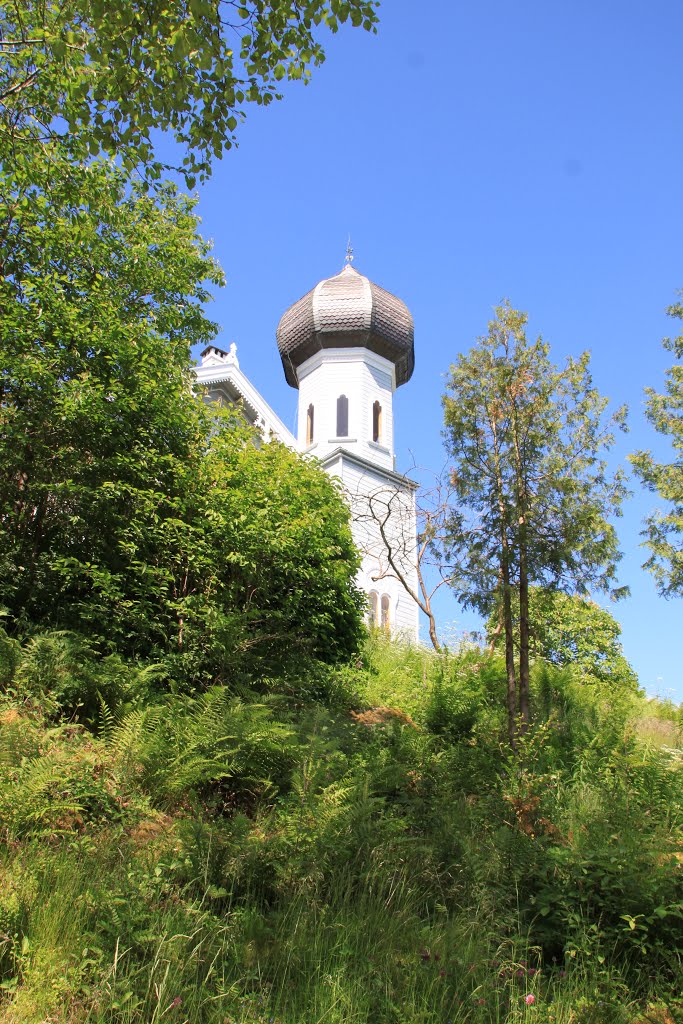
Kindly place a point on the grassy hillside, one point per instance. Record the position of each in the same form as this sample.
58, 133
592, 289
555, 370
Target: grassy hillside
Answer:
339, 845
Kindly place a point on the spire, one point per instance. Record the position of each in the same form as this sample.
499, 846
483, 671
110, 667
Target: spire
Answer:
348, 259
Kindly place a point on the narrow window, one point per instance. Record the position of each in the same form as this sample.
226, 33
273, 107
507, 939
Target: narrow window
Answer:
386, 619
377, 422
342, 416
309, 425
373, 608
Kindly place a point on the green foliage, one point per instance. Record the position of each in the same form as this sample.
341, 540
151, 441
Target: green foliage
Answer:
614, 884
509, 410
10, 653
663, 529
533, 498
66, 676
100, 432
52, 782
96, 77
213, 744
273, 542
454, 702
566, 629
578, 715
286, 859
130, 510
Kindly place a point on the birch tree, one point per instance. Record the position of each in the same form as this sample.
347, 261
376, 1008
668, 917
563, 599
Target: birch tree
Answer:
534, 497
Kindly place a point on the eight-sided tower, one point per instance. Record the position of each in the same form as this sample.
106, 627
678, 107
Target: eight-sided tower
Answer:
347, 345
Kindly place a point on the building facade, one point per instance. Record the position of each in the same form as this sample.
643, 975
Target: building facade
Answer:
346, 346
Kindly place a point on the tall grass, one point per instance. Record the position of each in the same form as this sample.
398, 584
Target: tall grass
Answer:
360, 848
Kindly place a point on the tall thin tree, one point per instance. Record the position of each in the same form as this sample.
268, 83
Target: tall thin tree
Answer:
527, 441
664, 527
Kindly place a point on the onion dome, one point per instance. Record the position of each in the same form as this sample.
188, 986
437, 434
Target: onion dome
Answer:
347, 311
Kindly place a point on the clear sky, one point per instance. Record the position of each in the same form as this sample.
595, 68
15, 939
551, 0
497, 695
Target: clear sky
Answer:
476, 151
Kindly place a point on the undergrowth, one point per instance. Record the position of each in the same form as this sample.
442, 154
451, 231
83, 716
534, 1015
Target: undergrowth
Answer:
354, 845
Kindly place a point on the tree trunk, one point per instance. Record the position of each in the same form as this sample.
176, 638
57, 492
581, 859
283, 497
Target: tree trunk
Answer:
433, 634
493, 636
426, 606
523, 634
421, 599
523, 550
506, 595
509, 653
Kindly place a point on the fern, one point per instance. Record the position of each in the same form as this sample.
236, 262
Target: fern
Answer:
53, 793
70, 678
107, 721
193, 744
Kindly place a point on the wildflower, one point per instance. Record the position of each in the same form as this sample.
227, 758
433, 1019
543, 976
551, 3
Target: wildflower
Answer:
175, 1003
481, 1002
530, 999
520, 972
442, 973
425, 954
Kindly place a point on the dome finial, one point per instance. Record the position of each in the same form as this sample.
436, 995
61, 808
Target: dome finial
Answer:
348, 259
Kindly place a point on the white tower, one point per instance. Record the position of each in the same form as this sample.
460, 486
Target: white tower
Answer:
347, 345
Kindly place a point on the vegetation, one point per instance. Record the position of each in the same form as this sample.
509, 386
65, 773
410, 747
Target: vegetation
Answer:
386, 514
86, 77
355, 845
566, 629
664, 528
215, 804
533, 499
219, 800
123, 497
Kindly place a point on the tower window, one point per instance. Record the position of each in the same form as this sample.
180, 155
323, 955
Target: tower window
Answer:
309, 425
373, 609
342, 416
377, 422
386, 616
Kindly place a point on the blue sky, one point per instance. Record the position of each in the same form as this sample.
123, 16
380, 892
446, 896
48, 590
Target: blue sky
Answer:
474, 152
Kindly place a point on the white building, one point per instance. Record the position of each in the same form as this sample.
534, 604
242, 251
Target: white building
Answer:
346, 346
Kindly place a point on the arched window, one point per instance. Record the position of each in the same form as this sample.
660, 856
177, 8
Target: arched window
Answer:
373, 609
377, 422
309, 425
342, 416
386, 616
